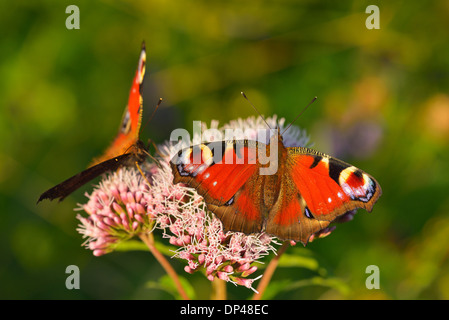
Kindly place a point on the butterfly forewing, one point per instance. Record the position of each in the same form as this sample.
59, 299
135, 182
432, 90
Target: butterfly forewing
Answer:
221, 172
217, 169
125, 150
330, 186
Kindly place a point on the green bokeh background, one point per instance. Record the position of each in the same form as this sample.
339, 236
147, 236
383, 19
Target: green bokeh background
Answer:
383, 105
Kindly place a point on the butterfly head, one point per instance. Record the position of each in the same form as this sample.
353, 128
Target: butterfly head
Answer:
276, 136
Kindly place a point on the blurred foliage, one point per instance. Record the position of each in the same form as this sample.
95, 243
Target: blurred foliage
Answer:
383, 105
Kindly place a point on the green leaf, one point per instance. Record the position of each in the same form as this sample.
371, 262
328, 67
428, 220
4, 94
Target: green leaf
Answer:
334, 283
167, 284
164, 249
275, 287
138, 245
299, 258
131, 245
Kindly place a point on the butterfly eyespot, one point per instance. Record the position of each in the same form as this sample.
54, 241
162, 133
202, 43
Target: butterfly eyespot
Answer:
229, 202
181, 171
180, 154
141, 67
126, 123
370, 191
307, 213
356, 184
206, 155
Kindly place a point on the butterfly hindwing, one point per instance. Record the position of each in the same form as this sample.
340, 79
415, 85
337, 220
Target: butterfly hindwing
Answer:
289, 217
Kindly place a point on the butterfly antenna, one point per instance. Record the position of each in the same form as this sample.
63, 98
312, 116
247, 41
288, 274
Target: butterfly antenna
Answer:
244, 96
154, 111
155, 148
152, 115
313, 100
156, 161
151, 141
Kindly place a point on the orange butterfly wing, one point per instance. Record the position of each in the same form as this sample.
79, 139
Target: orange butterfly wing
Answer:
125, 150
129, 130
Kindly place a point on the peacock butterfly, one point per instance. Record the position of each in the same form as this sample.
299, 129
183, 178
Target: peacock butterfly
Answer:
125, 150
305, 192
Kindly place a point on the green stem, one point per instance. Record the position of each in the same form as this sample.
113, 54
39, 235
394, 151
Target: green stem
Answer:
269, 271
148, 239
218, 289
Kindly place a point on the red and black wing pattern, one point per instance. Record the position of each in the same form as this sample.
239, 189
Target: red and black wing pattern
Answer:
221, 173
320, 189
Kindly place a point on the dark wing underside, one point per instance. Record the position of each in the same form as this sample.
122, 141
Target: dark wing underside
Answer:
68, 186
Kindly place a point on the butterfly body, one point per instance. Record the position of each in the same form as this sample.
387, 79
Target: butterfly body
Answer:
297, 193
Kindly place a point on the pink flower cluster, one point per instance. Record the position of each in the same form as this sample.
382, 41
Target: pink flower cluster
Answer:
118, 209
200, 240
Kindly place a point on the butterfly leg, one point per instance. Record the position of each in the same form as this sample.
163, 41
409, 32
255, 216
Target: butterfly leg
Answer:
141, 172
